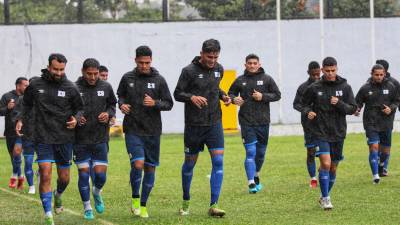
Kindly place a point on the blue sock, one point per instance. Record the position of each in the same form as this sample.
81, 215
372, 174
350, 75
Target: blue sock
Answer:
83, 186
16, 163
187, 174
249, 162
147, 185
311, 166
324, 182
91, 171
332, 179
136, 179
28, 169
61, 186
46, 201
386, 160
373, 161
260, 156
217, 175
100, 179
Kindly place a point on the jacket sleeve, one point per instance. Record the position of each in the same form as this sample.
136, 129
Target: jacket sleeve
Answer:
297, 104
222, 93
307, 100
27, 102
181, 94
348, 105
360, 98
111, 102
122, 92
273, 94
3, 105
234, 90
395, 103
165, 102
77, 103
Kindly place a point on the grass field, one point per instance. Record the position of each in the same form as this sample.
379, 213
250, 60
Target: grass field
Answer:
286, 199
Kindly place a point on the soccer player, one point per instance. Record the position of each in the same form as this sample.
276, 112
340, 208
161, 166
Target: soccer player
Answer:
103, 73
7, 109
253, 91
314, 73
91, 147
326, 104
143, 93
198, 88
380, 97
384, 151
57, 106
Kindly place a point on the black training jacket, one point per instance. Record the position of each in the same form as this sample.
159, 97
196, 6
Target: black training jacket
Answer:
9, 115
298, 105
52, 103
330, 123
252, 112
374, 96
197, 80
28, 121
97, 98
143, 120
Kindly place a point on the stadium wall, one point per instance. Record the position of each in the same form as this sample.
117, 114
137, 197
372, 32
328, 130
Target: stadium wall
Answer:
24, 51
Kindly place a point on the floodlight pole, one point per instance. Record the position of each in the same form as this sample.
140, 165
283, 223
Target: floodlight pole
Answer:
279, 44
372, 20
322, 32
6, 12
165, 10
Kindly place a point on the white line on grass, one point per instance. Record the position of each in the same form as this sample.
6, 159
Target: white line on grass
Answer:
105, 222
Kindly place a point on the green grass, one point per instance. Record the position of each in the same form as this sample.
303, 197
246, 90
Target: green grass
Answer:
286, 199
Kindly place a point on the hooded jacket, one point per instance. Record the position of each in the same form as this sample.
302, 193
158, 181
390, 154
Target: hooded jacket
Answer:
195, 79
252, 112
330, 123
374, 96
9, 114
97, 98
298, 105
52, 103
143, 120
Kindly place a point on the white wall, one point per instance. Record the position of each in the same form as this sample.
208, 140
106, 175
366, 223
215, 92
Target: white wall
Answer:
175, 44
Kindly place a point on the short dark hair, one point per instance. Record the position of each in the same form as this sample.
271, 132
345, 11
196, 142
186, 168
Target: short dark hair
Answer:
377, 67
329, 61
90, 63
384, 63
252, 56
143, 51
58, 57
211, 45
313, 65
103, 69
20, 79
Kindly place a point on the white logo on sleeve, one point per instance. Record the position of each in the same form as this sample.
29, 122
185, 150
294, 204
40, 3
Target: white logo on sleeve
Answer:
260, 82
385, 91
370, 93
61, 94
244, 83
81, 94
339, 93
100, 93
320, 93
217, 74
131, 85
41, 91
200, 76
151, 85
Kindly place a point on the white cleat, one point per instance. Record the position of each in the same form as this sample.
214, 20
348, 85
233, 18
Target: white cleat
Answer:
376, 179
32, 190
325, 203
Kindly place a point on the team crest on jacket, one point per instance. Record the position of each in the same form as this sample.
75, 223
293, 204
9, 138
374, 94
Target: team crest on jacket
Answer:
385, 91
260, 82
100, 93
151, 85
217, 74
370, 92
200, 76
41, 91
81, 94
320, 93
244, 83
131, 85
339, 93
61, 93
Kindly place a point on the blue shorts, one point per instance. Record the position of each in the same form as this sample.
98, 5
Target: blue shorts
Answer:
61, 154
28, 148
335, 149
383, 138
309, 141
146, 148
196, 137
252, 134
95, 153
10, 141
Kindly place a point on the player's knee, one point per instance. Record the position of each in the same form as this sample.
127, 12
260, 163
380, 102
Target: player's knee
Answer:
138, 164
100, 179
217, 160
83, 174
